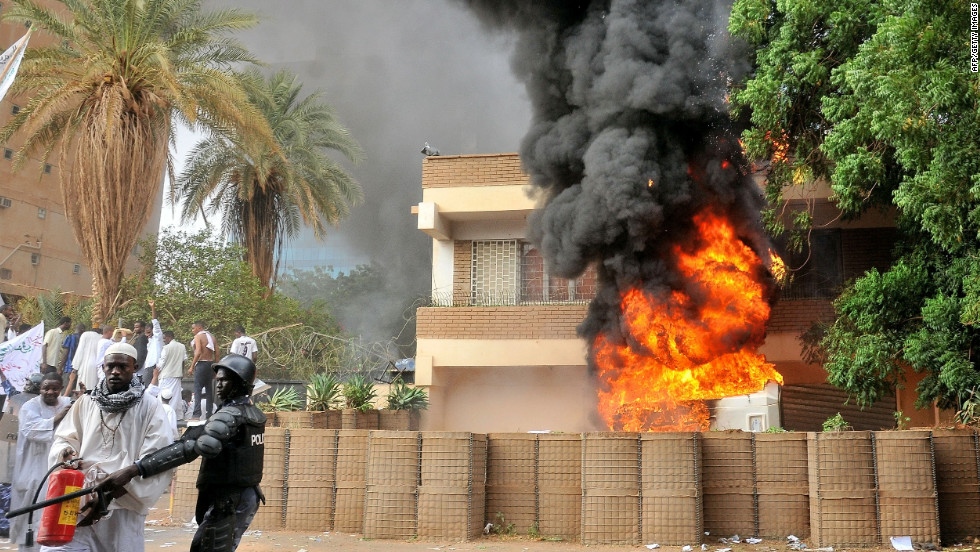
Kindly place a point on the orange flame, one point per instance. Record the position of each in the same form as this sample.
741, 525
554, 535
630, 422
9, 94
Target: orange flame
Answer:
780, 147
680, 352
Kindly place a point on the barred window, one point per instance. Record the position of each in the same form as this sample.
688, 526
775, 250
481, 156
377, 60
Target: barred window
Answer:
501, 276
539, 286
495, 273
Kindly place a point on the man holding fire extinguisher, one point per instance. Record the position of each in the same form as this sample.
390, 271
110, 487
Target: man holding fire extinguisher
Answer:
231, 443
110, 428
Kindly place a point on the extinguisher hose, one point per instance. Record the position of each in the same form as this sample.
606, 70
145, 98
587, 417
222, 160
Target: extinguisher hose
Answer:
29, 537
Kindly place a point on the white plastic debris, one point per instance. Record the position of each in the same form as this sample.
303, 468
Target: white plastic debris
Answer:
704, 547
753, 540
902, 543
653, 546
724, 550
793, 538
487, 529
687, 548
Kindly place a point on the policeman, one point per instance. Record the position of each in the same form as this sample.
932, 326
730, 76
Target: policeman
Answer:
231, 444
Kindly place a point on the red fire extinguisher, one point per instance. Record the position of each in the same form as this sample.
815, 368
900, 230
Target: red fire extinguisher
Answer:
58, 520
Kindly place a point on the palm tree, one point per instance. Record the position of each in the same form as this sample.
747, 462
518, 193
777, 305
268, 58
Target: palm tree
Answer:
264, 194
105, 95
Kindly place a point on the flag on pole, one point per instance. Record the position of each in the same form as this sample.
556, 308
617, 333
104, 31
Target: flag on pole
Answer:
10, 61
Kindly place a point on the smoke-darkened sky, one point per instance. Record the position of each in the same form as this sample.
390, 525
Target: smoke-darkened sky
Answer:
398, 74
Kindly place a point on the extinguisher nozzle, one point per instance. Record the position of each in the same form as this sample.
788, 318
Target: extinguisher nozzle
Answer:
29, 538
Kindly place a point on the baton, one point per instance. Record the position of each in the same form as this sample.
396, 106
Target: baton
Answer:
49, 502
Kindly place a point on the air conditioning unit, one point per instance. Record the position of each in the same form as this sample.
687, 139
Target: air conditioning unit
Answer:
5, 202
35, 258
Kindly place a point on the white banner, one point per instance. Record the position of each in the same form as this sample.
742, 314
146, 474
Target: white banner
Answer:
21, 357
10, 61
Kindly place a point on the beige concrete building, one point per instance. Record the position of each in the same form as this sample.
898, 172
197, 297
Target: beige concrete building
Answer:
498, 349
38, 251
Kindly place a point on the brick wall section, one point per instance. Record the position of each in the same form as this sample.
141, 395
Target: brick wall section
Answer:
531, 322
865, 249
798, 315
462, 271
447, 171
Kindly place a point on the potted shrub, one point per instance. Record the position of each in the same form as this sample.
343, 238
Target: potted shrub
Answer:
359, 412
322, 398
404, 407
283, 409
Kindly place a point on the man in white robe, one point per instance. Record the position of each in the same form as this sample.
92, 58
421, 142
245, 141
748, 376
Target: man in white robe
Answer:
170, 369
38, 418
84, 365
154, 344
110, 428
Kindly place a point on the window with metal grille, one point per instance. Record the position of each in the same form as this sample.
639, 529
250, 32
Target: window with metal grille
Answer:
539, 286
8, 153
495, 273
76, 268
5, 274
42, 212
47, 168
816, 272
14, 109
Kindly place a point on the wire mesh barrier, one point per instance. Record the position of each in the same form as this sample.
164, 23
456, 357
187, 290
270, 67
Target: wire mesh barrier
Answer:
728, 481
399, 420
352, 418
845, 489
310, 496
957, 483
184, 498
392, 479
906, 481
610, 488
782, 486
326, 419
452, 491
297, 419
512, 496
670, 488
559, 485
351, 480
271, 515
843, 505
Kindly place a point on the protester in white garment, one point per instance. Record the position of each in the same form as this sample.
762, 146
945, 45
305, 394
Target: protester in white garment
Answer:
86, 363
165, 396
6, 320
154, 344
170, 369
38, 418
243, 344
107, 332
110, 428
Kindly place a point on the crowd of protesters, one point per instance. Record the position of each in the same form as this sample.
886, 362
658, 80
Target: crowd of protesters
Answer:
108, 401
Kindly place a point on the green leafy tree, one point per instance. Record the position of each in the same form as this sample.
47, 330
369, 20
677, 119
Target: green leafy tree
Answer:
878, 97
196, 276
265, 191
105, 93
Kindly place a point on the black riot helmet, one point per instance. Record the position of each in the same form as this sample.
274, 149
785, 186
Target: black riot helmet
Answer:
241, 366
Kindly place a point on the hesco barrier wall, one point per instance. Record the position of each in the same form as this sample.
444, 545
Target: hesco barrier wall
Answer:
853, 489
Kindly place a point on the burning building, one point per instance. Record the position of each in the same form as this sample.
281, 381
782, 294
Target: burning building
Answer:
641, 190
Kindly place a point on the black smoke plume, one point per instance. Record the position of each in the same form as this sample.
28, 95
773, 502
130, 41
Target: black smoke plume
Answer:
631, 136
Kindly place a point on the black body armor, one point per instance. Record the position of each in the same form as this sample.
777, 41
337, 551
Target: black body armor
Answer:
239, 463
